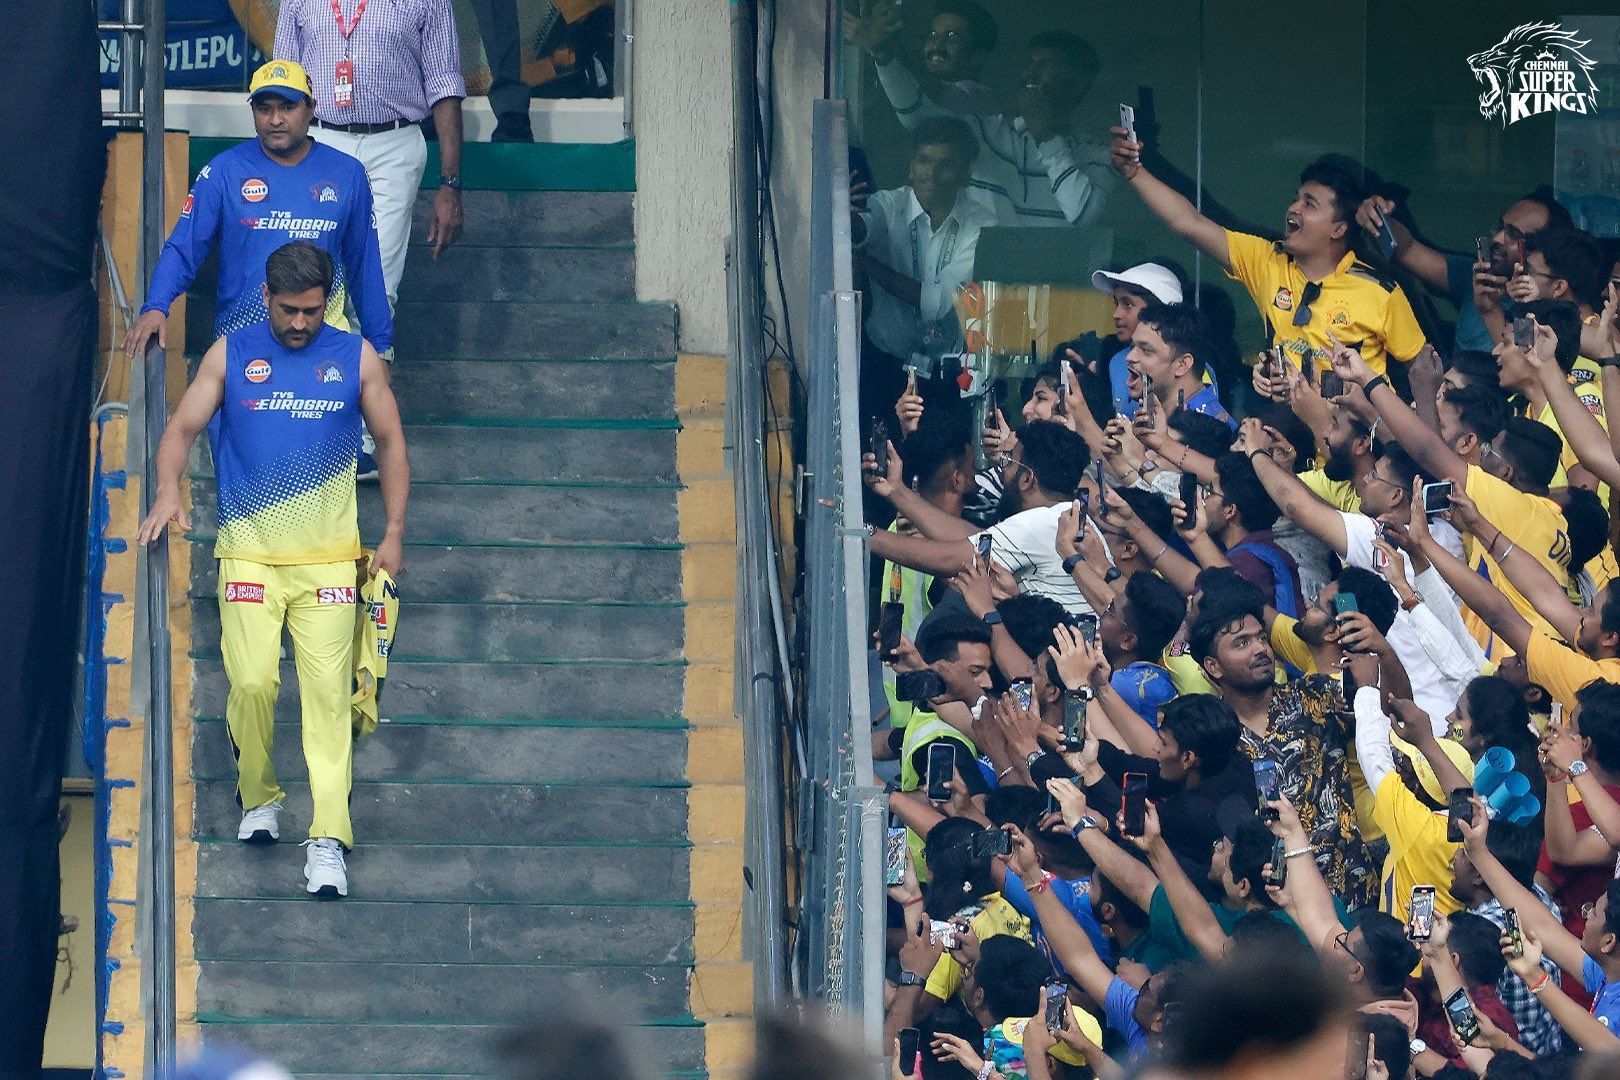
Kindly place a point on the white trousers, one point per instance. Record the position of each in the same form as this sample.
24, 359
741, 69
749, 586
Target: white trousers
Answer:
395, 161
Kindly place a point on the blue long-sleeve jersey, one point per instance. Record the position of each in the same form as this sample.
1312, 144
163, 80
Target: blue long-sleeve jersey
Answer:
250, 205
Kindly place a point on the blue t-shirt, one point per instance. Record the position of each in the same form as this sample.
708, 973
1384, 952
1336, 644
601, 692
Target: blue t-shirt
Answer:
1118, 1006
1208, 402
1605, 994
1073, 896
1471, 331
1145, 687
251, 205
1124, 404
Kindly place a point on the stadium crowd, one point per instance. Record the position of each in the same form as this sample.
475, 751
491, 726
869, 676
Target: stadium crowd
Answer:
1237, 720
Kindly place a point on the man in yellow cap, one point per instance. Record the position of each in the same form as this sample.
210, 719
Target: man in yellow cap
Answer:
261, 194
1411, 784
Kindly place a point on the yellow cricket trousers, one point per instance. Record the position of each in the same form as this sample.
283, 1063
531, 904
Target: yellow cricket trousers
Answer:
317, 603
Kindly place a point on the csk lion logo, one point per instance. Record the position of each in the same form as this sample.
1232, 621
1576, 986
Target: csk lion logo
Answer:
1537, 68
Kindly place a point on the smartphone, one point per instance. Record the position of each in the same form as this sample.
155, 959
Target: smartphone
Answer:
880, 446
990, 843
1127, 120
1275, 366
1279, 864
1458, 810
1420, 913
1189, 493
1460, 1011
1065, 385
1083, 497
889, 618
894, 857
910, 1038
918, 687
983, 547
1088, 627
1056, 996
1386, 237
1344, 603
1515, 932
1524, 332
941, 770
1482, 250
1436, 498
1074, 722
1332, 384
1024, 690
942, 933
1135, 805
1147, 392
1267, 787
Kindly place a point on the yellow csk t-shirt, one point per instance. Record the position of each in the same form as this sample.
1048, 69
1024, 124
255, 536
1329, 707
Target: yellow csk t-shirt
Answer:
1286, 644
1354, 304
994, 916
1564, 670
1419, 853
1339, 494
1529, 522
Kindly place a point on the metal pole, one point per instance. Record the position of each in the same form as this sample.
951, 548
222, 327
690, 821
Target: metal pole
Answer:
130, 47
158, 968
763, 844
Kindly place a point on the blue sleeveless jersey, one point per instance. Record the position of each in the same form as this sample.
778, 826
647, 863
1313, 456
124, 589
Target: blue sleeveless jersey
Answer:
286, 440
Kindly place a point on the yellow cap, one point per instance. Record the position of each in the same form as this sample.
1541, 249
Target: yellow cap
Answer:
283, 78
1425, 772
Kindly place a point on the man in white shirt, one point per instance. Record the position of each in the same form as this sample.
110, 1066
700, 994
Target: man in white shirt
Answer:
1036, 168
1386, 489
1039, 479
916, 244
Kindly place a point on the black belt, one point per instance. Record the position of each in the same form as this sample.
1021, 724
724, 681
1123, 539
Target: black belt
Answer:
365, 129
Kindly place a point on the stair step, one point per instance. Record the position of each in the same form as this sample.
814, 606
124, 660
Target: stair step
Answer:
535, 218
451, 330
440, 873
294, 929
503, 513
430, 993
367, 1049
519, 389
516, 452
497, 814
508, 632
488, 754
509, 573
584, 274
571, 690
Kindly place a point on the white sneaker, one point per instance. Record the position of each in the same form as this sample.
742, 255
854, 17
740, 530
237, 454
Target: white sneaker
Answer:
261, 825
325, 874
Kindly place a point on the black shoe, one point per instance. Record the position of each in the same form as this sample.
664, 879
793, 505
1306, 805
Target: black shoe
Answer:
513, 127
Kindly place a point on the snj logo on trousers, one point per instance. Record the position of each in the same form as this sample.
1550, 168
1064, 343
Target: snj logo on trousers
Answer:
244, 592
258, 370
1537, 68
254, 190
338, 594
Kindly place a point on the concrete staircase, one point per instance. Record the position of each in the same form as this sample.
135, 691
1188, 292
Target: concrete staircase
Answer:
522, 820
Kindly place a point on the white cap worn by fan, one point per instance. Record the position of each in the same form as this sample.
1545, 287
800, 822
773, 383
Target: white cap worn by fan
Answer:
1157, 281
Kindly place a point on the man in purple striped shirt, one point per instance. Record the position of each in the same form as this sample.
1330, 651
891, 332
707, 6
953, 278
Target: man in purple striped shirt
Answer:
379, 67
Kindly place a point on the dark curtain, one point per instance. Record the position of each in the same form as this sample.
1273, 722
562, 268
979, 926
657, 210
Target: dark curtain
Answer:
50, 187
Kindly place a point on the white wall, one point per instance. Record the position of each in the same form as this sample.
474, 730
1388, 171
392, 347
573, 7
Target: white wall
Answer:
682, 100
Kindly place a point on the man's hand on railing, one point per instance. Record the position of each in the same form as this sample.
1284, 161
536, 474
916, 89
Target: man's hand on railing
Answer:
142, 329
166, 507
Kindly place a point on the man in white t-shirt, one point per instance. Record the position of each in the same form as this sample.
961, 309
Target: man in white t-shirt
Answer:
1424, 636
1039, 479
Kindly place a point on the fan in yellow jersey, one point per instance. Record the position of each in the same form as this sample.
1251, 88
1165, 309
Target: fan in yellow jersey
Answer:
282, 401
1309, 287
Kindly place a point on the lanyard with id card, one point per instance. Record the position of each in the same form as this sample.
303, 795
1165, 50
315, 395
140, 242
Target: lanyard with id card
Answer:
343, 76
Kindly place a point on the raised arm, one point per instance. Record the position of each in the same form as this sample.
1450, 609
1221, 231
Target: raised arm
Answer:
1562, 748
1297, 502
930, 520
1523, 569
1192, 911
1563, 947
1126, 871
1587, 1030
1425, 263
1473, 591
1581, 429
1177, 212
1404, 425
1311, 899
1068, 941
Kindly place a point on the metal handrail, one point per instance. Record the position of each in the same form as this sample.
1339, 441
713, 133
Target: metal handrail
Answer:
760, 683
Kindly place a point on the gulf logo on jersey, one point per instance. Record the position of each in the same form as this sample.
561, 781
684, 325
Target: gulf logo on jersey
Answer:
254, 190
337, 594
244, 592
257, 371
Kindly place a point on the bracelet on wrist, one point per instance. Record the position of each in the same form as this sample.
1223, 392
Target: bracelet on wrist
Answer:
1540, 984
1374, 383
1297, 852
